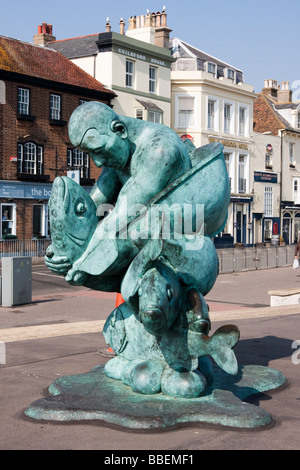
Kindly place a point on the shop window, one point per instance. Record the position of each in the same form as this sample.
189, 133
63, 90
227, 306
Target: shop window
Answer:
267, 230
39, 222
78, 160
8, 220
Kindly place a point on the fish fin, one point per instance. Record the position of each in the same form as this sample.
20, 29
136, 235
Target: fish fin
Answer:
222, 342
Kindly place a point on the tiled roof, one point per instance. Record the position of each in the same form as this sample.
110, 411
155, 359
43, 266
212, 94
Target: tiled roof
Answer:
40, 62
76, 47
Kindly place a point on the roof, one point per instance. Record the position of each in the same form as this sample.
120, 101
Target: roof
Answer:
262, 120
81, 46
149, 105
181, 48
37, 61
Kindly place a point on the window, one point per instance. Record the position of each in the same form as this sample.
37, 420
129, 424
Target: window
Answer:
296, 190
154, 116
139, 113
268, 201
30, 158
8, 219
292, 153
267, 230
231, 74
55, 107
211, 68
242, 172
186, 111
78, 160
228, 163
152, 80
23, 101
129, 73
268, 160
227, 117
242, 121
298, 121
211, 114
39, 220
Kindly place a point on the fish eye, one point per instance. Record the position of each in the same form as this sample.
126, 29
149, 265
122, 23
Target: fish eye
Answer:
169, 292
79, 208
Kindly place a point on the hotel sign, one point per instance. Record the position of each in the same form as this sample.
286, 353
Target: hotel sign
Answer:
264, 177
139, 56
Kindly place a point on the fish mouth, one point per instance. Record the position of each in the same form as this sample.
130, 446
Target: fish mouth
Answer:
154, 320
77, 240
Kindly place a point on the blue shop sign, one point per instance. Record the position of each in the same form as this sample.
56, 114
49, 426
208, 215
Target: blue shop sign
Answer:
265, 177
16, 190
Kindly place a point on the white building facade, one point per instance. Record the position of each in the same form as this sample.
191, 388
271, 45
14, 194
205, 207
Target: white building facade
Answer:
135, 64
211, 102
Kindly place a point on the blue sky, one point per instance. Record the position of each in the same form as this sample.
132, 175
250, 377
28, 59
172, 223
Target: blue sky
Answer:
261, 37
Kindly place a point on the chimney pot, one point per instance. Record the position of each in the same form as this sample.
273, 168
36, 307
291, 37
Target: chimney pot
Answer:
107, 25
122, 26
40, 29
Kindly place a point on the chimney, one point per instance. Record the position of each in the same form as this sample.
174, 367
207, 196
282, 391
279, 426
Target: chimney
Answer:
162, 32
44, 35
122, 26
270, 87
107, 26
284, 94
132, 22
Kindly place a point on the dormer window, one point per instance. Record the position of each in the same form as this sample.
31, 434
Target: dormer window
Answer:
231, 74
211, 68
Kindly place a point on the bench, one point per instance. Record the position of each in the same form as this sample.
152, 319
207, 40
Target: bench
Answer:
284, 297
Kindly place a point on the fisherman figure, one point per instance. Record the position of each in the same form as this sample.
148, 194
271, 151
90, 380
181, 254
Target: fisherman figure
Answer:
162, 282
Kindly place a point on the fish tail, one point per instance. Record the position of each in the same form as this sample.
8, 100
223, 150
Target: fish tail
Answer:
221, 344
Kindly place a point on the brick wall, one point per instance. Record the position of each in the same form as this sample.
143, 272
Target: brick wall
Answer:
53, 138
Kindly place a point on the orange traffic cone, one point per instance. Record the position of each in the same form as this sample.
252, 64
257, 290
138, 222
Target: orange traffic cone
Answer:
109, 352
119, 300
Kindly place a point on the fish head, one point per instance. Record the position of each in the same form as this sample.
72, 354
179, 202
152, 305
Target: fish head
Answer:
73, 219
159, 299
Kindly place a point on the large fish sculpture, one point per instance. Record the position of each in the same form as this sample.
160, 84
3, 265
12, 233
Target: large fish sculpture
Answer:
73, 219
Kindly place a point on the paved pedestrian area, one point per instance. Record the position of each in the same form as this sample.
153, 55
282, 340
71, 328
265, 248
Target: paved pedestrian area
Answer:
59, 335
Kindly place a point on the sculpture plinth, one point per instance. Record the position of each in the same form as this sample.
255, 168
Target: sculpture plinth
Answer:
146, 231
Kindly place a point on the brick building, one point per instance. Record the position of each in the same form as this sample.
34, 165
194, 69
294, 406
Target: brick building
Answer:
39, 90
277, 163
